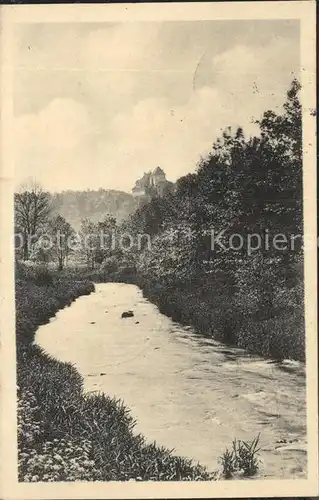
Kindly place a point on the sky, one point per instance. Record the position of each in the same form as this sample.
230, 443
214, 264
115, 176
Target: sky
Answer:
96, 105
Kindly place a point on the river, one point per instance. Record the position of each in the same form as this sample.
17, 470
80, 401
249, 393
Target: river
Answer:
186, 391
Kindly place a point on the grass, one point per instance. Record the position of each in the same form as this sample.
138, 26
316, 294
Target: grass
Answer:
39, 295
242, 459
63, 433
223, 317
67, 435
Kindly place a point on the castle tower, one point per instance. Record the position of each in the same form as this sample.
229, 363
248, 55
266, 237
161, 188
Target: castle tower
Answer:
159, 177
151, 183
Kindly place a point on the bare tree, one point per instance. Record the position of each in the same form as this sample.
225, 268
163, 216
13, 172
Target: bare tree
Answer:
32, 208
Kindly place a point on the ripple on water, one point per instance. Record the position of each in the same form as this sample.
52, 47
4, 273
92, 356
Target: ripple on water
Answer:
186, 392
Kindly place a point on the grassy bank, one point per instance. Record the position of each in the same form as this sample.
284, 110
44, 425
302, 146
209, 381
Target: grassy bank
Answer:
64, 434
277, 333
40, 293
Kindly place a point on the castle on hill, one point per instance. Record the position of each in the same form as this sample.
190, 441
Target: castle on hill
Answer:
152, 183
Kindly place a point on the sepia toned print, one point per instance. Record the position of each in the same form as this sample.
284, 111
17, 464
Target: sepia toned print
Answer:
162, 238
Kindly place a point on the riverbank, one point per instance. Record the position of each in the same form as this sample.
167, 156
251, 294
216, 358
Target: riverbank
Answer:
63, 433
227, 318
211, 256
236, 314
198, 394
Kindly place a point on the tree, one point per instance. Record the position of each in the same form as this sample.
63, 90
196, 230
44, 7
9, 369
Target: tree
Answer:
61, 232
89, 241
105, 232
247, 188
282, 151
32, 208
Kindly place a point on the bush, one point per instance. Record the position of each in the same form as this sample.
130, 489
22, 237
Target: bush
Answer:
242, 459
281, 337
39, 274
109, 265
244, 318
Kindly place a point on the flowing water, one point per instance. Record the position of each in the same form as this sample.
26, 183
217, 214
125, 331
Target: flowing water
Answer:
186, 391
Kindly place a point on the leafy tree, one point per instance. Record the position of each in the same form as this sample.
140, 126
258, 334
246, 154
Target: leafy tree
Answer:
89, 242
61, 232
245, 185
105, 236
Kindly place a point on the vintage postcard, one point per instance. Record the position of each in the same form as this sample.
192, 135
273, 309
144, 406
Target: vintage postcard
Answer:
158, 251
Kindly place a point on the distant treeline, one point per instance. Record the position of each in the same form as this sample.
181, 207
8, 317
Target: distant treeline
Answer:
75, 206
39, 213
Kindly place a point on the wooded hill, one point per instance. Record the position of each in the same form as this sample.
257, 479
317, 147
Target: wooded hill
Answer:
75, 206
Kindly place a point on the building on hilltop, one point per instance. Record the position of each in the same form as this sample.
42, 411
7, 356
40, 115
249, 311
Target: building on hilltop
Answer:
151, 183
158, 177
141, 185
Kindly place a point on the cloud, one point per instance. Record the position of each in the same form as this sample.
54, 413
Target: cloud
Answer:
248, 70
112, 48
49, 140
154, 131
61, 125
122, 122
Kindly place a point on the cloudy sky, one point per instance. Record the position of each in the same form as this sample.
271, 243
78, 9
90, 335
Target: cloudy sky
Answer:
96, 105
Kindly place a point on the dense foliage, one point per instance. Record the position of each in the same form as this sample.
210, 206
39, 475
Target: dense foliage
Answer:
226, 252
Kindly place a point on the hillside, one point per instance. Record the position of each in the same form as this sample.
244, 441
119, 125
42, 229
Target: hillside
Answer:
76, 205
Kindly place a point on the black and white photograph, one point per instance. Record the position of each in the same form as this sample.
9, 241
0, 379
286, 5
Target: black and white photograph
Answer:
162, 254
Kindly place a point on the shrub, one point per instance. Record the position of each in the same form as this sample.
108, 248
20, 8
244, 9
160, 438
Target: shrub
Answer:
39, 274
109, 265
242, 459
281, 337
240, 319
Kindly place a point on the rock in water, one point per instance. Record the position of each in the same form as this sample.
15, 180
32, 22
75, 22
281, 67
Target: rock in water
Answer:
127, 314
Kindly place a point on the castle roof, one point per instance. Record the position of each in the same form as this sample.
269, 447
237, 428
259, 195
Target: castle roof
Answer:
158, 170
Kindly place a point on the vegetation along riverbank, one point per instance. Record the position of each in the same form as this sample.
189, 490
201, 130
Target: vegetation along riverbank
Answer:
246, 186
224, 252
253, 299
64, 434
